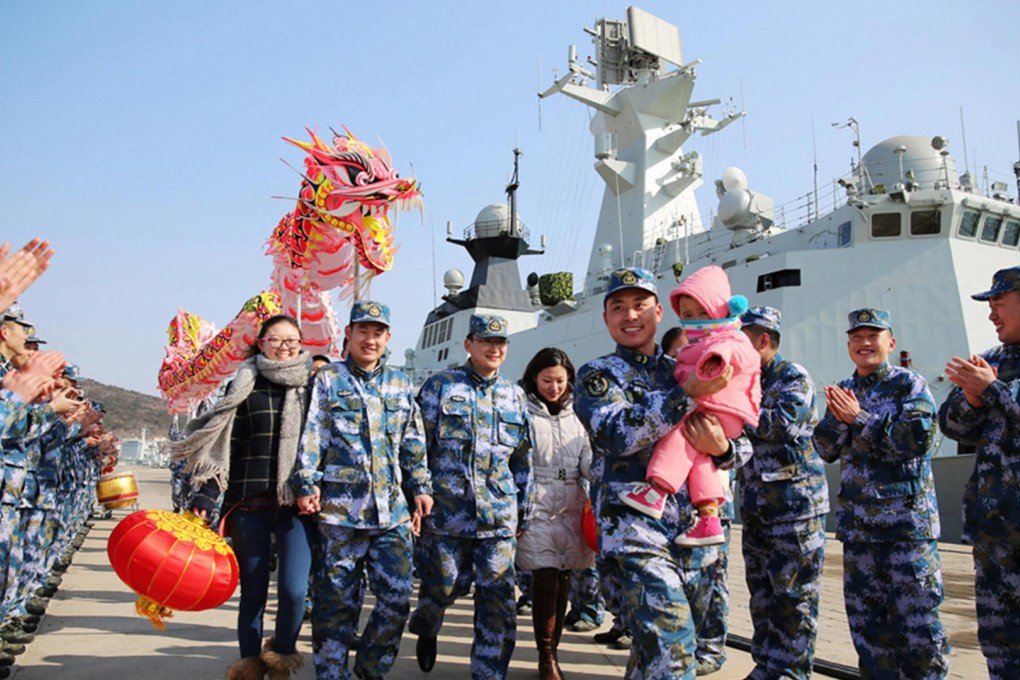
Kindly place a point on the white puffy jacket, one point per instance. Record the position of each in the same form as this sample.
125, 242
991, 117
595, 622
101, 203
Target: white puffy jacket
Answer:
561, 458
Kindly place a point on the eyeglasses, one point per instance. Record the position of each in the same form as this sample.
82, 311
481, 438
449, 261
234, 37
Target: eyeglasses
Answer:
291, 343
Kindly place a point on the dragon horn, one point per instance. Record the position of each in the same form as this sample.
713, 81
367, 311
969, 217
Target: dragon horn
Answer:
321, 145
384, 154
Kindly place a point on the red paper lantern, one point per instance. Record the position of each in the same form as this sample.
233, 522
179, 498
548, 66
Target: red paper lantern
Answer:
588, 527
173, 562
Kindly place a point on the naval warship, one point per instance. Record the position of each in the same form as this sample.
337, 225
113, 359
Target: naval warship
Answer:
903, 230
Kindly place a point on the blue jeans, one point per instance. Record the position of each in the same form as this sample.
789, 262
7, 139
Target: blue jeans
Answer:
249, 531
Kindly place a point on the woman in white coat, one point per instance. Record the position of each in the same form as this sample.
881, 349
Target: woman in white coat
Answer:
553, 545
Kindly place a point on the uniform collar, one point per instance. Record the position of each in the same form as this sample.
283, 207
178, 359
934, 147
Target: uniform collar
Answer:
476, 379
878, 374
361, 373
639, 359
772, 364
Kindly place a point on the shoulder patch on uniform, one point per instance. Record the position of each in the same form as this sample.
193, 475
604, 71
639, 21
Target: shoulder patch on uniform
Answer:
458, 398
596, 384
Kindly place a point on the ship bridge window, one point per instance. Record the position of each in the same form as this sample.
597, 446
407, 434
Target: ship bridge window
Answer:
925, 222
1011, 236
991, 227
778, 279
437, 333
886, 225
968, 224
844, 234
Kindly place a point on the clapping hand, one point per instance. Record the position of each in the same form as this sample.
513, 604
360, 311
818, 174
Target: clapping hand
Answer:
973, 376
18, 271
842, 403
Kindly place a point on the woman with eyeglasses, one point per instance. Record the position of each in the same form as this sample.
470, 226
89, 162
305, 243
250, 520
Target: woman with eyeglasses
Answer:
244, 449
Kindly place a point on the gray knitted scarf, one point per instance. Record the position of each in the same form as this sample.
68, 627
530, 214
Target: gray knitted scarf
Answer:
207, 445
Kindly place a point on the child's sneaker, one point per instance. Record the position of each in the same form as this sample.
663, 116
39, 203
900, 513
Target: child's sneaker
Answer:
645, 498
708, 531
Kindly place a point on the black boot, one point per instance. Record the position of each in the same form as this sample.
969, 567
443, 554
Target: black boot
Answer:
425, 650
13, 634
562, 600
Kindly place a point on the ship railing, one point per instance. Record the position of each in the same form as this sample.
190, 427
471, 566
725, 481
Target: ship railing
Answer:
808, 207
490, 228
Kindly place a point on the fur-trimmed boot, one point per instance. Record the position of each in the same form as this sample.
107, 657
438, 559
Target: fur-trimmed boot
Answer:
247, 668
279, 666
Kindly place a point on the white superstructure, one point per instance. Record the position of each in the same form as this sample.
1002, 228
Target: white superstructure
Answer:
905, 232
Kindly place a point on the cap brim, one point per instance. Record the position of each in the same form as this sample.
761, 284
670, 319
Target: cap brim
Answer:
987, 295
650, 292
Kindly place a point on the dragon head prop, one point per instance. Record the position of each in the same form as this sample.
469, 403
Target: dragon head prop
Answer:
347, 188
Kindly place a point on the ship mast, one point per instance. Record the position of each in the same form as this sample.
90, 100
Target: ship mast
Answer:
511, 193
639, 129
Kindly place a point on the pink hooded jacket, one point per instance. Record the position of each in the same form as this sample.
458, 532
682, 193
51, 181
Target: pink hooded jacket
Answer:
710, 288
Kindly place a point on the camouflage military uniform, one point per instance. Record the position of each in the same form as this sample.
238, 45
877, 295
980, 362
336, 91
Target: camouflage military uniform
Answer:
479, 450
21, 453
39, 512
586, 600
783, 502
991, 505
627, 401
888, 521
14, 418
708, 592
362, 439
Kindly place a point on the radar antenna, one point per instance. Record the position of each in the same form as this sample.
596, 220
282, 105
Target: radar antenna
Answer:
511, 193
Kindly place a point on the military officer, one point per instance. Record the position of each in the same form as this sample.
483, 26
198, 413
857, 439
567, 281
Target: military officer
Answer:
479, 450
363, 436
880, 425
983, 411
783, 502
627, 401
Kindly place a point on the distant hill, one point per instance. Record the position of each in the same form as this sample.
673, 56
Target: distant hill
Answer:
127, 412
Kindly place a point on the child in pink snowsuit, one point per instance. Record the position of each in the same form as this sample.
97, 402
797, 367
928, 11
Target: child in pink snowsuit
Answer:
710, 318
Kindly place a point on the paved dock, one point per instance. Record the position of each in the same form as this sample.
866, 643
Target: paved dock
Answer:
91, 632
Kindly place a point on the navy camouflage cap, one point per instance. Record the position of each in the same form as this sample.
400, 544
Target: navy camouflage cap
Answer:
1004, 281
367, 311
16, 314
762, 315
32, 337
631, 277
870, 318
488, 326
71, 372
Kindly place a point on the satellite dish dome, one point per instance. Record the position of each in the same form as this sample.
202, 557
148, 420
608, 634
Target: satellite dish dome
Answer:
494, 220
733, 206
734, 179
453, 280
919, 157
533, 279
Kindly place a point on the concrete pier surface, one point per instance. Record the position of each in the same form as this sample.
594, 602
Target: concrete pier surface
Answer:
90, 630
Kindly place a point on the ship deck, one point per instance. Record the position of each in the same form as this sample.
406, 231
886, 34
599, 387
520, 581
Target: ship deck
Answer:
91, 631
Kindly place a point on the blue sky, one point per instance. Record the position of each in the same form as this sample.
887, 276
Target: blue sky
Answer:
143, 138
